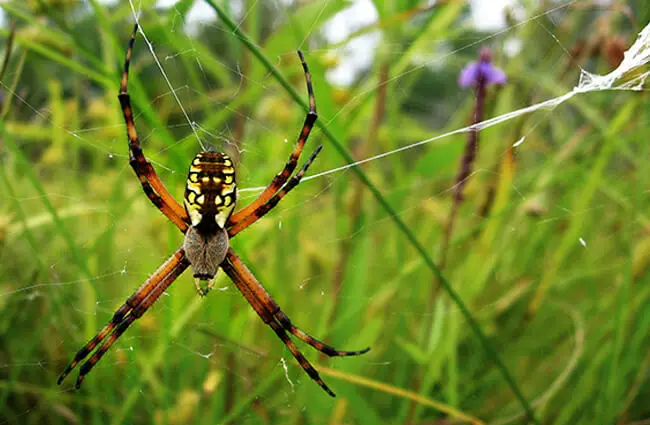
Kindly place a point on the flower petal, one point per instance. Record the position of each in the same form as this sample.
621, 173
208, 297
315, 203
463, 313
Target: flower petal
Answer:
493, 75
469, 75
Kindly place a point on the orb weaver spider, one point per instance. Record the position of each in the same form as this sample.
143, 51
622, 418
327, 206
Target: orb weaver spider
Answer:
208, 222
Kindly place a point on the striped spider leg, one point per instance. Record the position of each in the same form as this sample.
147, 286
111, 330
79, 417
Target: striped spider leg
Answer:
242, 218
151, 183
271, 314
134, 307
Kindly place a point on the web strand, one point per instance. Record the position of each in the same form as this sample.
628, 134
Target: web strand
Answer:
191, 123
635, 57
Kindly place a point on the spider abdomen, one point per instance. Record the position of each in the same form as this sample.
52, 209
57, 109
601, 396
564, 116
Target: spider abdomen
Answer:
205, 253
211, 190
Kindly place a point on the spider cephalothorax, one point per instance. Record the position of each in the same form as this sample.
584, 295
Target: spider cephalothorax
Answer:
211, 190
210, 196
208, 224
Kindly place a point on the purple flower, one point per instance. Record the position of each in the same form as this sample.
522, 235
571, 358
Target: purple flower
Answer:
483, 70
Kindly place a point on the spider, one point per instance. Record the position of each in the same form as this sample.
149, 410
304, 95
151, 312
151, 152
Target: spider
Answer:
208, 223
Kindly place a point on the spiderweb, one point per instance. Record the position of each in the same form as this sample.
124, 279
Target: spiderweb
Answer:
531, 254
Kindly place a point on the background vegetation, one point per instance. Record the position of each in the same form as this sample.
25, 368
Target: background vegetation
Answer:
549, 253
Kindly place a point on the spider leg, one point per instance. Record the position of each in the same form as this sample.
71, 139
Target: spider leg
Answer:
171, 268
90, 346
241, 277
261, 211
269, 311
269, 303
137, 312
304, 363
90, 363
283, 319
151, 183
280, 179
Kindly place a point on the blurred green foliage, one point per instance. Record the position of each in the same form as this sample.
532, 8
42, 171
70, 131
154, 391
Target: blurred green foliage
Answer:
550, 252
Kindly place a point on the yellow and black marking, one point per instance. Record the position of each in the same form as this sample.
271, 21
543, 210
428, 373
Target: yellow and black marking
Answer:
211, 190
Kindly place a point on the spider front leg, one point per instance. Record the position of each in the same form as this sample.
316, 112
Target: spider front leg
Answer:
263, 209
281, 178
151, 183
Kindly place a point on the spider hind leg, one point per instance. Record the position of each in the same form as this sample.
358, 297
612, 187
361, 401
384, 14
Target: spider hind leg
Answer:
328, 350
134, 307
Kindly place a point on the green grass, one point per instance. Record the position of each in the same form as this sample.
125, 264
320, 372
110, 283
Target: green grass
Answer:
527, 317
